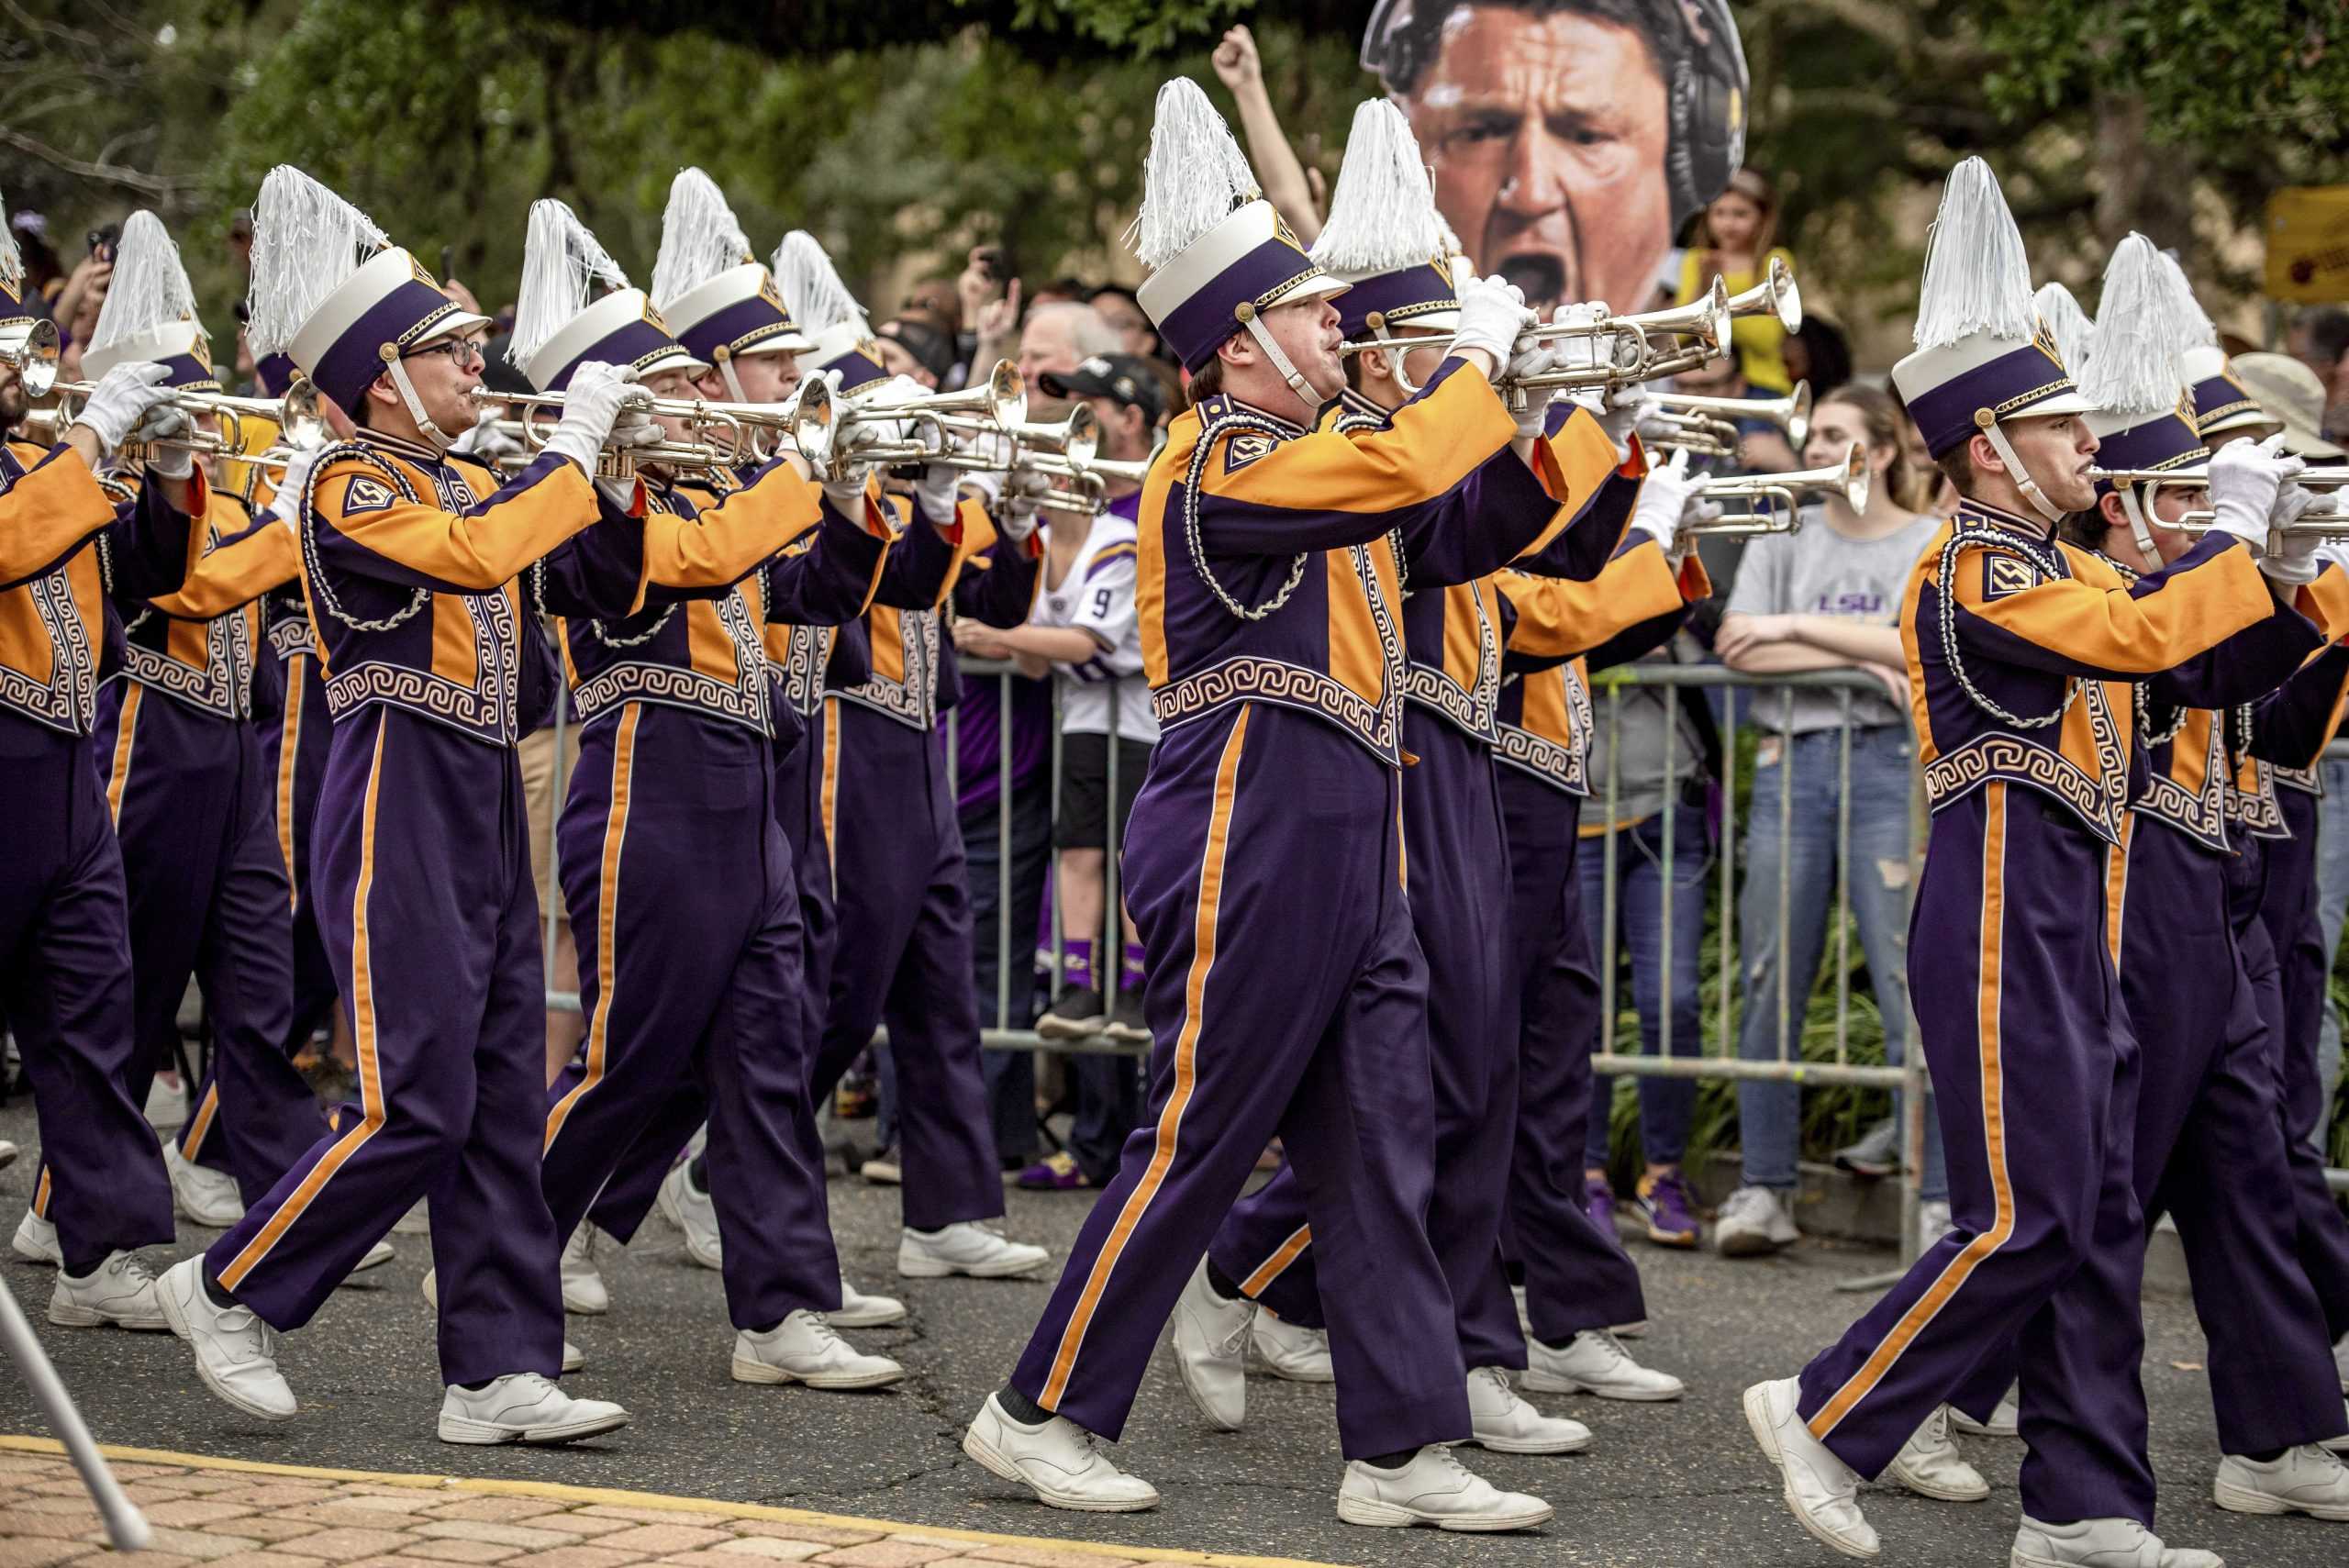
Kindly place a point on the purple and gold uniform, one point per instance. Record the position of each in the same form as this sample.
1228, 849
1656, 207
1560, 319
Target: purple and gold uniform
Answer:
194, 804
2019, 646
63, 921
1270, 597
672, 855
434, 667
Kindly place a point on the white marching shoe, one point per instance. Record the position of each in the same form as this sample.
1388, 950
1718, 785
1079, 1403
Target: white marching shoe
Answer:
36, 1241
965, 1247
1290, 1351
1211, 1350
1056, 1460
804, 1348
119, 1293
1756, 1222
416, 1221
166, 1104
2006, 1421
203, 1197
236, 1352
1930, 1466
2341, 1363
860, 1310
690, 1210
574, 1358
375, 1257
1500, 1419
583, 1282
2303, 1480
523, 1407
1595, 1361
1821, 1491
1435, 1489
2100, 1543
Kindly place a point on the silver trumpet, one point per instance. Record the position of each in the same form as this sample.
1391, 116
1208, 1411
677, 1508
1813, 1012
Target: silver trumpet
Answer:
531, 430
1081, 485
1774, 496
834, 434
2331, 524
1702, 427
32, 352
1631, 352
1777, 293
296, 411
981, 447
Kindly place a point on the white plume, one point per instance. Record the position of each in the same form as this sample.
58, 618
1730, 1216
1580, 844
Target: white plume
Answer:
1382, 216
2195, 323
307, 243
1194, 177
2140, 329
1978, 278
562, 263
149, 288
812, 289
12, 261
699, 238
2067, 323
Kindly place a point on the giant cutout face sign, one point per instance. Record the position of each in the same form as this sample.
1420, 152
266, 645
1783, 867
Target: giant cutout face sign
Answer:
1569, 139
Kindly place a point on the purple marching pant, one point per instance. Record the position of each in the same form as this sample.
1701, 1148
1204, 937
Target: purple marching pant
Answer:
1286, 995
65, 987
1457, 867
1578, 1275
421, 863
208, 898
902, 953
675, 871
294, 749
2035, 1078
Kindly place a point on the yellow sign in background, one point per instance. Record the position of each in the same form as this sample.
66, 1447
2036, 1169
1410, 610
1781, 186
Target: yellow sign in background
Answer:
2307, 244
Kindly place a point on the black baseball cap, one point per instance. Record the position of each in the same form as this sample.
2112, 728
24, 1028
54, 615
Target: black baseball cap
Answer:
1123, 378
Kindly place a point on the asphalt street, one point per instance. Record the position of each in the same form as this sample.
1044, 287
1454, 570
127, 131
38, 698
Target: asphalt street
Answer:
1664, 1485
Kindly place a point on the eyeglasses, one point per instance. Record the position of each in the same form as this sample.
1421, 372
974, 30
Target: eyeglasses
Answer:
461, 351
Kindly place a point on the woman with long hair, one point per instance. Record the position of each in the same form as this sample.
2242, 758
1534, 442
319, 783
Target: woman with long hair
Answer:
1734, 237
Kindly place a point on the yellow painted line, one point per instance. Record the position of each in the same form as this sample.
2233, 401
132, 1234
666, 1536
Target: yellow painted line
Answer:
615, 1497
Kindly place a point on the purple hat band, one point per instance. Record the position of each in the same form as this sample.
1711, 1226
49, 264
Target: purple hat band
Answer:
349, 367
857, 369
2007, 386
1203, 323
634, 344
2164, 440
1394, 298
2220, 397
276, 373
736, 329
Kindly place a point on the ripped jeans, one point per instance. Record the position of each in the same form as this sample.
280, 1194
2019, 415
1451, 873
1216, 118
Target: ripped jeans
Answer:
1804, 852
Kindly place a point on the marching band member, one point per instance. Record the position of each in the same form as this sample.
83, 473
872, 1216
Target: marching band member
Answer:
669, 849
2019, 650
101, 1193
902, 942
1384, 240
192, 805
1271, 604
434, 666
2209, 1138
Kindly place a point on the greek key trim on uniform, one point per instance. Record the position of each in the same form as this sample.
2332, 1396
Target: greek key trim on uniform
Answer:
433, 696
914, 700
2014, 760
1247, 678
70, 701
2305, 779
667, 685
1561, 766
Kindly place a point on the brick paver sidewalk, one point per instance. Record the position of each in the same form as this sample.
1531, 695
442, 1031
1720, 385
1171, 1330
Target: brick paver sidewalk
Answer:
231, 1514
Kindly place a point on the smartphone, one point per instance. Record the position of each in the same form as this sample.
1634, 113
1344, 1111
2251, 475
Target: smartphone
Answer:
103, 241
991, 262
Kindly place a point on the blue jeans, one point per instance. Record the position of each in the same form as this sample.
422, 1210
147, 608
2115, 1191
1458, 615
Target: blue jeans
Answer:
1769, 1114
2332, 906
1641, 909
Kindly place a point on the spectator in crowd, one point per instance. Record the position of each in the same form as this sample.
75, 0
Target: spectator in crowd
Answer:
1295, 191
1055, 339
1084, 632
1825, 597
1733, 241
44, 279
913, 344
2320, 339
1933, 491
1121, 308
1819, 354
988, 292
1650, 744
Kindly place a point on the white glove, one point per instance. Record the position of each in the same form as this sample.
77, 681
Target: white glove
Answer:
988, 482
285, 505
591, 406
1492, 313
2297, 561
935, 491
1024, 495
636, 427
1664, 497
165, 462
2245, 483
123, 397
847, 493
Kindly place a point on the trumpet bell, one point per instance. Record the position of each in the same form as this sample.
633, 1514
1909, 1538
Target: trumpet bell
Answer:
1778, 293
32, 352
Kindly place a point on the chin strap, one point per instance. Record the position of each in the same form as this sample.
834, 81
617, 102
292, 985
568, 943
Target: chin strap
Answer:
2047, 509
1289, 372
726, 369
2137, 529
440, 440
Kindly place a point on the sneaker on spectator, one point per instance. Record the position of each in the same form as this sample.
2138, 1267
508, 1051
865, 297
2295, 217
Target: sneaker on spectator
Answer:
1877, 1154
1599, 1200
883, 1170
1126, 1021
1755, 1222
1664, 1200
1073, 1015
1932, 1223
1054, 1173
